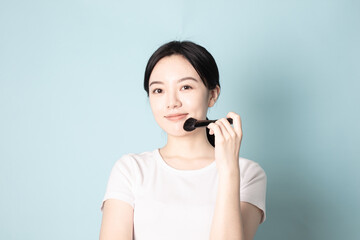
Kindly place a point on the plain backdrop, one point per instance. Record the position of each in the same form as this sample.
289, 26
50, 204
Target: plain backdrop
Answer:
72, 102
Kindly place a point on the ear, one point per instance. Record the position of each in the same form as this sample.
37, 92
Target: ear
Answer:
213, 95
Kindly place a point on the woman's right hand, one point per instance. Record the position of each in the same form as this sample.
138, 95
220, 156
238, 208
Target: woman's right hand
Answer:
227, 143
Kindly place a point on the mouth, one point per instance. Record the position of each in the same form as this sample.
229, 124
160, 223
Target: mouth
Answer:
176, 117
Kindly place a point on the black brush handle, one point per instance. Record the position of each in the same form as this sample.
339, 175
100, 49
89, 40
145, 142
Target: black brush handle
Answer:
204, 123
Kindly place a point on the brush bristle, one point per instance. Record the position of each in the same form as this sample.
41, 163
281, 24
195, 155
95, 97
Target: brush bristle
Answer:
189, 124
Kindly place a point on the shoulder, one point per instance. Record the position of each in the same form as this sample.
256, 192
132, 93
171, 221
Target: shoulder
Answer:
249, 165
250, 169
136, 160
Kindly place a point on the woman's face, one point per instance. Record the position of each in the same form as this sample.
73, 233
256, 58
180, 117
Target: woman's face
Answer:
176, 93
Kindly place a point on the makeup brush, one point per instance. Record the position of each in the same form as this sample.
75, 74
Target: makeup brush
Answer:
191, 123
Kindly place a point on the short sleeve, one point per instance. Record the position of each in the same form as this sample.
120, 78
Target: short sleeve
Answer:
121, 182
253, 185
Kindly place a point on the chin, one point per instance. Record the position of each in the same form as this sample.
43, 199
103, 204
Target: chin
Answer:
177, 130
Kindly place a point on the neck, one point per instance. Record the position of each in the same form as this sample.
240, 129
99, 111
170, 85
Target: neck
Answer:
195, 145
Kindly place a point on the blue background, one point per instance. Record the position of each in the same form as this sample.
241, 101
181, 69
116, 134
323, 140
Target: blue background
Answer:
72, 103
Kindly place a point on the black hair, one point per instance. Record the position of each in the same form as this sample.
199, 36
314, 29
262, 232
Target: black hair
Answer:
201, 60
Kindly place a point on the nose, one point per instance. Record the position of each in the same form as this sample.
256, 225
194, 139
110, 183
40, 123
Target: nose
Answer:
173, 101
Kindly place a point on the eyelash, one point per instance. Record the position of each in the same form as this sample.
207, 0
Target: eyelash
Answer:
155, 91
186, 87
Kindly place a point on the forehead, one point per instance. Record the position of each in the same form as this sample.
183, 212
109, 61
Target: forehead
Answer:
172, 68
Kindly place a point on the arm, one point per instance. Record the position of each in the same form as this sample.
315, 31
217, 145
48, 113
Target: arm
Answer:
251, 216
227, 219
117, 222
232, 219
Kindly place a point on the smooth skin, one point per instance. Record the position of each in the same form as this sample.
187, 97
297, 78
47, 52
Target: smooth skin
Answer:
176, 92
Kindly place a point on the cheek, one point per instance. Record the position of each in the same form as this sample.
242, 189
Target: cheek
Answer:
155, 105
197, 102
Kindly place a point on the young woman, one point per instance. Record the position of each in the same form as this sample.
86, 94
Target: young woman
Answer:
196, 186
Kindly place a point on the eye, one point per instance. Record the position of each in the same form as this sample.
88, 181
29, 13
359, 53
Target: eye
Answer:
157, 90
186, 87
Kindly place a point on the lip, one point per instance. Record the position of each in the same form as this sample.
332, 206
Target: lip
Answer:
176, 117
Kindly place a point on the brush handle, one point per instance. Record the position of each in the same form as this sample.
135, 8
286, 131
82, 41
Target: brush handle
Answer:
204, 123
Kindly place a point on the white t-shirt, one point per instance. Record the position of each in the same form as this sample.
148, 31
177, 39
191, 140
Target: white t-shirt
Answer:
176, 204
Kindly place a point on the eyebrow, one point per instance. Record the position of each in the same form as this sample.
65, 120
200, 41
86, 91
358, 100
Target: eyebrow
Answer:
180, 80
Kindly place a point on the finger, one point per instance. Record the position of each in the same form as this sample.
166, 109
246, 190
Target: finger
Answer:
216, 130
236, 122
226, 127
211, 132
223, 129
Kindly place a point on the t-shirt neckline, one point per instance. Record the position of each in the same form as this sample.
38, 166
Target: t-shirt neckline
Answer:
162, 162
